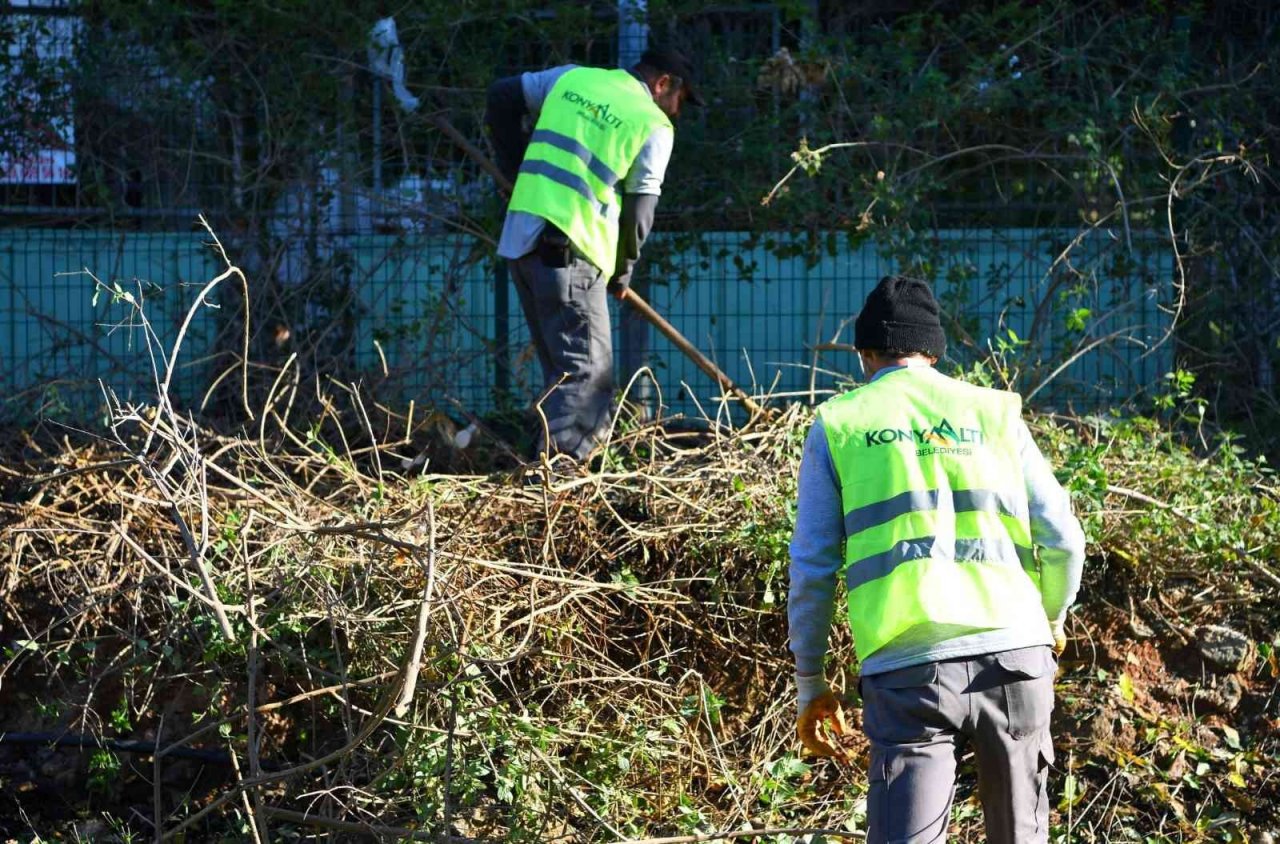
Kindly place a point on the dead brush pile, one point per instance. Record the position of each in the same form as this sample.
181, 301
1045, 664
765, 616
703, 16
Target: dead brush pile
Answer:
488, 655
282, 630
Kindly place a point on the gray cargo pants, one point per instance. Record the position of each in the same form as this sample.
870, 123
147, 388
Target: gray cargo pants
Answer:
919, 719
568, 314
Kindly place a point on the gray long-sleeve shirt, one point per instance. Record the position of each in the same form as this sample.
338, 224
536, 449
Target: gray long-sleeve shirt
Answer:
817, 556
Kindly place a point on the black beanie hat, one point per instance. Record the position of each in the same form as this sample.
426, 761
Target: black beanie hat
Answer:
900, 314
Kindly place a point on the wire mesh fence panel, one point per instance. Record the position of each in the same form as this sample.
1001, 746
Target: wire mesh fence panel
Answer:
1089, 336
92, 310
416, 315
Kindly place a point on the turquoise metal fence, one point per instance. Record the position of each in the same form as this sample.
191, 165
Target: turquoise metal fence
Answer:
1078, 318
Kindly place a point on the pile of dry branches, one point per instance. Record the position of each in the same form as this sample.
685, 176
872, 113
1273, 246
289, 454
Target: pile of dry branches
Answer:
339, 640
285, 628
530, 653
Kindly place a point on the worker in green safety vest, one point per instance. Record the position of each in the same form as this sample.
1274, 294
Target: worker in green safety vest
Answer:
587, 149
960, 557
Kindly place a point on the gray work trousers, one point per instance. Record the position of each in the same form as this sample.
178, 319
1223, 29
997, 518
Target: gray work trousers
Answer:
568, 314
920, 718
634, 339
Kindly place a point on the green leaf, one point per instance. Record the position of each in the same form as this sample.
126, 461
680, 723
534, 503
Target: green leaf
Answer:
1078, 319
1125, 684
1232, 736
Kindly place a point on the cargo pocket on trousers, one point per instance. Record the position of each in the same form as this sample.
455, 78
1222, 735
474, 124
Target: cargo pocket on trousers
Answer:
901, 706
1028, 689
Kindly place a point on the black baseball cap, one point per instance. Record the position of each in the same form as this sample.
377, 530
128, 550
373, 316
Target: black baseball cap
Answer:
676, 63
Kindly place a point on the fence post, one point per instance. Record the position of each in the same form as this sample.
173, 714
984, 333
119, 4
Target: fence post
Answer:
501, 331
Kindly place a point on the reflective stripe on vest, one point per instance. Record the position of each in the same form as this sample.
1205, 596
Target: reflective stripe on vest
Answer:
592, 125
936, 518
564, 142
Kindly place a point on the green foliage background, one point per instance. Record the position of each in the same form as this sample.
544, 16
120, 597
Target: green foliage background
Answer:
1132, 117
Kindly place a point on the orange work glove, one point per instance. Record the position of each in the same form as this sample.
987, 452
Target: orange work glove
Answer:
823, 708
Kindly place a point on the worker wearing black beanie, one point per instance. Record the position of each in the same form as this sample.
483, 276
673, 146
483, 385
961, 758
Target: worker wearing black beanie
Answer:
900, 315
926, 498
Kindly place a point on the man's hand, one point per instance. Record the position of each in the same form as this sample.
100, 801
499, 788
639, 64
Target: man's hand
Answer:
619, 286
1059, 637
824, 709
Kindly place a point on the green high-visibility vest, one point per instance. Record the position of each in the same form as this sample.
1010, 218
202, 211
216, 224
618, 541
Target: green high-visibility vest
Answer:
591, 128
937, 535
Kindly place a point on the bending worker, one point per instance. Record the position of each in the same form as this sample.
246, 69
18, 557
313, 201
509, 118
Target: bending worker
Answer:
587, 182
960, 555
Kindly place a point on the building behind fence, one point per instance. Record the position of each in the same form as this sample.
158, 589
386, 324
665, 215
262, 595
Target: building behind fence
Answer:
372, 257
